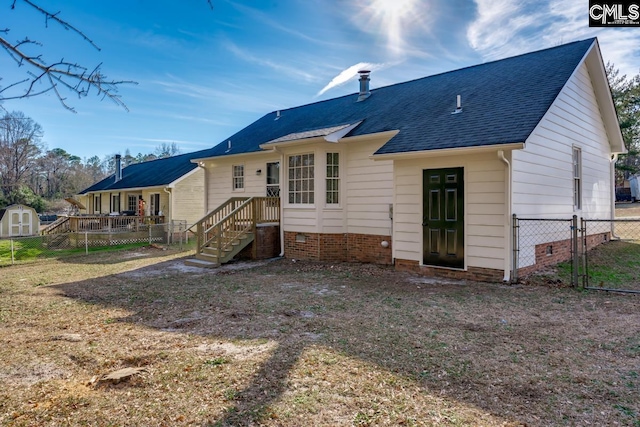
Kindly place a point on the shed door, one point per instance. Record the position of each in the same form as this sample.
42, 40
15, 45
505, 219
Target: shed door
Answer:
443, 217
20, 223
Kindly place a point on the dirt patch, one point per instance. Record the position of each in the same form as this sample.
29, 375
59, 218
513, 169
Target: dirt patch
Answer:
627, 210
287, 343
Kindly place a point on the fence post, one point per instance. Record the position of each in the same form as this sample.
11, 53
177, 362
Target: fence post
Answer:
13, 259
583, 249
86, 243
150, 225
575, 261
516, 248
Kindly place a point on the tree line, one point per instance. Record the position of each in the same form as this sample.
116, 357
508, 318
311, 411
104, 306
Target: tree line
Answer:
33, 175
626, 98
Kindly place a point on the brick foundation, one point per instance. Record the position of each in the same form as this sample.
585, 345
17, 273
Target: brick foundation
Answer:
266, 244
472, 273
343, 247
552, 253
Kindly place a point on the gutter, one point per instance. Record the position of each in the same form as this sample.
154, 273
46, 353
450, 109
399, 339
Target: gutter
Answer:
408, 155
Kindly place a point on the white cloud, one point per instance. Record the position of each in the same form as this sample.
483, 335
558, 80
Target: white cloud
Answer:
504, 28
349, 74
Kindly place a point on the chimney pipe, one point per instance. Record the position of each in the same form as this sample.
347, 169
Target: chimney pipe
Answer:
118, 168
364, 85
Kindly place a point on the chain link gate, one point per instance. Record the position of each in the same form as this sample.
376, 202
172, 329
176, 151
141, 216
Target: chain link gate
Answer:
539, 243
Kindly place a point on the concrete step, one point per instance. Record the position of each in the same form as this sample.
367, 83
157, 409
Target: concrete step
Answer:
194, 262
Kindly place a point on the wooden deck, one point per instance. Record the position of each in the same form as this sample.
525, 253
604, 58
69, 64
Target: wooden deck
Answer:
97, 224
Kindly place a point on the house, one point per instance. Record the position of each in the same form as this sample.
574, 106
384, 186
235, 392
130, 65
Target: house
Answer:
171, 187
426, 174
19, 220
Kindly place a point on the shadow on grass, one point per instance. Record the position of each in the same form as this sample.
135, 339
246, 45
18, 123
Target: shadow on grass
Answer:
504, 350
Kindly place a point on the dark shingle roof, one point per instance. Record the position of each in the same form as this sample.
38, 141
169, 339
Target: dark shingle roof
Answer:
502, 102
153, 173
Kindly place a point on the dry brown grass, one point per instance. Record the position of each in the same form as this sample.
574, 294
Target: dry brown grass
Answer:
291, 344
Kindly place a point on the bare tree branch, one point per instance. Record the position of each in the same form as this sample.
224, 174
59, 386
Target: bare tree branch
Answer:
63, 23
56, 76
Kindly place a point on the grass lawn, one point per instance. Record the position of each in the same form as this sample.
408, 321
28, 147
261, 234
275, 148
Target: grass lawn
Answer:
285, 343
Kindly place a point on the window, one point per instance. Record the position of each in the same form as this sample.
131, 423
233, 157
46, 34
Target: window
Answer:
96, 204
154, 204
577, 178
238, 177
115, 203
301, 179
333, 178
273, 179
132, 204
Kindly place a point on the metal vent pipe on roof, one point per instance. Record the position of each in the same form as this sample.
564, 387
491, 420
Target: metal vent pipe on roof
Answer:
118, 172
364, 85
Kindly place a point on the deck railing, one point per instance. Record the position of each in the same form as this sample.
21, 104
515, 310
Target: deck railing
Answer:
106, 224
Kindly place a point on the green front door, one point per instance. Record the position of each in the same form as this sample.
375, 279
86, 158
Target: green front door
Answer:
443, 217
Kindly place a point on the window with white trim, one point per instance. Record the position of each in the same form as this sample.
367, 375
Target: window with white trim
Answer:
238, 177
301, 175
577, 178
115, 202
97, 204
132, 204
333, 178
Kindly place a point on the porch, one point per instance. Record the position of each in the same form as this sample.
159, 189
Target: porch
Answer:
101, 224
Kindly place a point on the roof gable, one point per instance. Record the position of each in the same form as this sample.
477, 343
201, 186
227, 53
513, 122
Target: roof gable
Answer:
502, 102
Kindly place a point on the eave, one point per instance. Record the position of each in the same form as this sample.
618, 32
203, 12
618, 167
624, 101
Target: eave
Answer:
457, 151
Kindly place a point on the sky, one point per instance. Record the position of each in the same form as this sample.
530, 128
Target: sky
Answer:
204, 73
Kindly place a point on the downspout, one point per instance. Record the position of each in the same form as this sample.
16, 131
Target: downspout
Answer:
507, 195
206, 188
281, 176
612, 214
168, 191
281, 172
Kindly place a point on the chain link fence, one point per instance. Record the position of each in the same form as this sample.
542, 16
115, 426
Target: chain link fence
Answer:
17, 250
591, 253
610, 256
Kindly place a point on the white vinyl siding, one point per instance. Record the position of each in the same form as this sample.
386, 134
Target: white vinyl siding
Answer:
219, 178
543, 182
485, 211
188, 198
369, 190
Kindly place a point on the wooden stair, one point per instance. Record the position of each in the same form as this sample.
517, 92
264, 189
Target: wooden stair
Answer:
228, 229
208, 257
